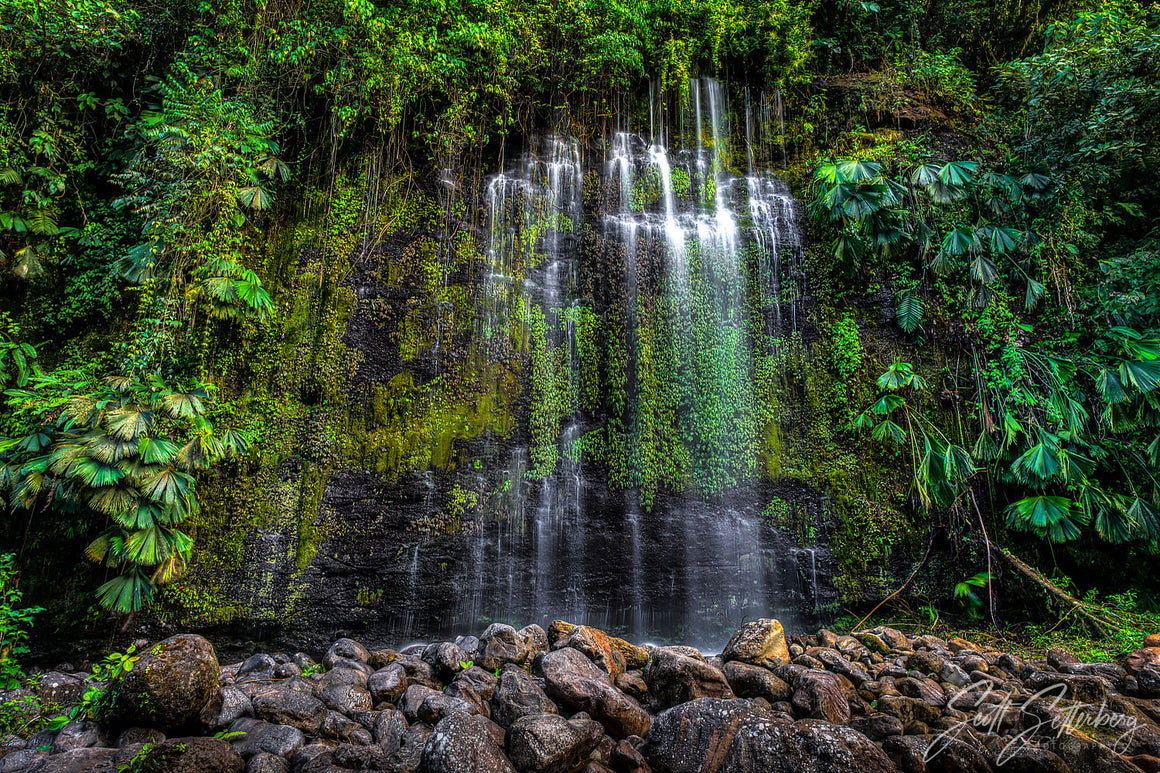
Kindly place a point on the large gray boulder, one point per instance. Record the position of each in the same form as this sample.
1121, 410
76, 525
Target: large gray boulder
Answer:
548, 743
168, 686
578, 683
463, 743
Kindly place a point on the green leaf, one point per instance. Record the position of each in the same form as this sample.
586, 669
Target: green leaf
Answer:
959, 241
1142, 374
909, 311
127, 593
1034, 294
1048, 517
1035, 181
958, 463
924, 175
887, 404
983, 270
957, 172
1004, 240
151, 546
167, 486
183, 406
129, 422
1110, 388
157, 450
1038, 463
888, 430
1145, 520
898, 375
857, 171
1113, 524
255, 197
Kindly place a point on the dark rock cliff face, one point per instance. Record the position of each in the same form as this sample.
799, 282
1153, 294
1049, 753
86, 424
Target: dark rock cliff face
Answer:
688, 568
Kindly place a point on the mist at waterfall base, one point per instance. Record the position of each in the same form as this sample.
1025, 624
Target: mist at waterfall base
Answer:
690, 566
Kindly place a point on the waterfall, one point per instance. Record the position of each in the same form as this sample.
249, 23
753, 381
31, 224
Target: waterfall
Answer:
695, 251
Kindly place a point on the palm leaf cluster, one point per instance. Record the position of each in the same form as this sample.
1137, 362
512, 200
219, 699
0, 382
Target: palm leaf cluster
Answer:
952, 218
940, 468
1079, 438
125, 450
1074, 443
216, 166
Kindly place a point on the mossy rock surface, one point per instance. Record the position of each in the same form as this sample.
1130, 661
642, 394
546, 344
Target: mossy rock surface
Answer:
167, 687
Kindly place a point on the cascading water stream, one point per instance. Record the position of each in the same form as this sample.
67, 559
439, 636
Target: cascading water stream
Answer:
702, 244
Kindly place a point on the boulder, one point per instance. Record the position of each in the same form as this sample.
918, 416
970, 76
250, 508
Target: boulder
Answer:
581, 685
750, 681
835, 662
632, 684
475, 686
936, 754
343, 728
1148, 680
263, 737
412, 700
694, 737
258, 665
674, 678
908, 710
75, 761
535, 636
347, 653
819, 695
1085, 689
597, 645
361, 757
192, 755
716, 736
387, 684
445, 658
139, 735
227, 706
1083, 754
338, 677
79, 734
267, 763
1134, 661
284, 705
439, 705
345, 698
516, 695
808, 746
501, 644
463, 743
58, 690
548, 743
877, 727
31, 759
389, 729
410, 752
761, 642
167, 687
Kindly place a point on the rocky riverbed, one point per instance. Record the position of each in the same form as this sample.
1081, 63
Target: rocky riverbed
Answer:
574, 699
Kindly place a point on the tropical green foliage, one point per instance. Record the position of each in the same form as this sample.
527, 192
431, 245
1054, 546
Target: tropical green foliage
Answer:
15, 621
1063, 417
940, 468
125, 450
951, 219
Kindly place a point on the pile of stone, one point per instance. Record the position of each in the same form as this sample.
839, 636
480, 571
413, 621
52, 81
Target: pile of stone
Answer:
574, 699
